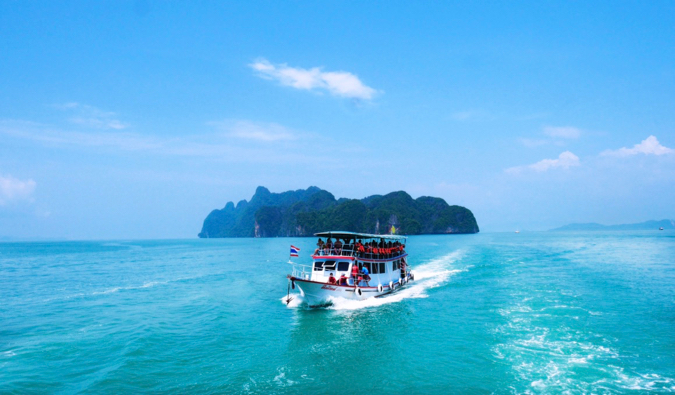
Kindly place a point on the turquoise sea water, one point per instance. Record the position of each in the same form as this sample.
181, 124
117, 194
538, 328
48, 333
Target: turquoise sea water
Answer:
506, 313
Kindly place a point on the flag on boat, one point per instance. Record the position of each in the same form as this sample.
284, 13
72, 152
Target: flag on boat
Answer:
294, 250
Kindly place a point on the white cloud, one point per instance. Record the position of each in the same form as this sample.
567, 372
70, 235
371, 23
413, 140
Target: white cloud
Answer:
12, 189
565, 132
92, 117
565, 160
337, 83
648, 146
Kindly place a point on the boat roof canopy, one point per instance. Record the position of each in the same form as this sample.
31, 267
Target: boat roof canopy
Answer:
354, 235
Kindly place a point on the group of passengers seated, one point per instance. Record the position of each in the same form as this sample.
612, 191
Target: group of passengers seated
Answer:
332, 248
341, 281
371, 249
382, 249
357, 277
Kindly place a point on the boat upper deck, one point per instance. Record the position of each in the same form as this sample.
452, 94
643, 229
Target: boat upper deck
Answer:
359, 245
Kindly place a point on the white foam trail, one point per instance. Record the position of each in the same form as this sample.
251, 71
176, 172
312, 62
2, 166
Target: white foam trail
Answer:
296, 300
108, 291
427, 276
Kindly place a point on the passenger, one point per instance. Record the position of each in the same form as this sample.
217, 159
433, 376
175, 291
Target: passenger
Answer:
331, 279
366, 275
328, 247
319, 246
360, 247
355, 273
342, 280
338, 247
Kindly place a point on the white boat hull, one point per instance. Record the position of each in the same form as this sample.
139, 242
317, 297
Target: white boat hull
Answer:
320, 294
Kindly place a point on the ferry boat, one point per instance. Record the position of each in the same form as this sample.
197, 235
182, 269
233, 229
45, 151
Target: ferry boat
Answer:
345, 255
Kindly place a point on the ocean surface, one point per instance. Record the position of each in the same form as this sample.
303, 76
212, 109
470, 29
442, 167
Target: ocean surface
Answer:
539, 312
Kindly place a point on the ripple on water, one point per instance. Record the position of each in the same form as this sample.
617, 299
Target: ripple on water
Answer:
563, 357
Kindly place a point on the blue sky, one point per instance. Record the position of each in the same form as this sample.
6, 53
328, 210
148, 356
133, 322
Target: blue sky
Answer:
128, 119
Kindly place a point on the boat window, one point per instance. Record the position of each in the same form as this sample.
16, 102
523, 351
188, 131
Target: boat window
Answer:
329, 265
382, 265
343, 266
376, 268
318, 266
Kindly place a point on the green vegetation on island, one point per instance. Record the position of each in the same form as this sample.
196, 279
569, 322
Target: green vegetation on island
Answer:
307, 211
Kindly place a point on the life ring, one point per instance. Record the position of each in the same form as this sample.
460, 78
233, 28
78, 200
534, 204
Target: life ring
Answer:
379, 288
358, 291
292, 284
391, 285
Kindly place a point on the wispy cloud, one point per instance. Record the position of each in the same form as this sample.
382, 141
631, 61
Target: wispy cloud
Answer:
230, 141
470, 115
337, 83
565, 132
13, 189
257, 131
564, 161
557, 135
90, 116
532, 143
648, 146
51, 136
529, 117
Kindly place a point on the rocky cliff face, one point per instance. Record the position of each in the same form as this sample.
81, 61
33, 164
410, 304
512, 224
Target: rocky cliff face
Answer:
307, 211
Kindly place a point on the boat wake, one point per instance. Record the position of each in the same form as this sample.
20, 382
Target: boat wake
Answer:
429, 275
565, 358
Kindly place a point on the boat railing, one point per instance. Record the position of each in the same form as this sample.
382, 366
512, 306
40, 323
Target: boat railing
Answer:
301, 271
346, 250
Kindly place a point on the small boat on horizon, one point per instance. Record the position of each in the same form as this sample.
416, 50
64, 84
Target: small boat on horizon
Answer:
661, 228
517, 231
350, 265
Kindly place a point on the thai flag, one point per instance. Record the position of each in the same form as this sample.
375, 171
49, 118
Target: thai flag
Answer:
294, 250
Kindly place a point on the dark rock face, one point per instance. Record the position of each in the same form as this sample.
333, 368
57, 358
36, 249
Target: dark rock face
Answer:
307, 211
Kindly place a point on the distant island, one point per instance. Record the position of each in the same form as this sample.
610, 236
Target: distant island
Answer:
647, 225
308, 211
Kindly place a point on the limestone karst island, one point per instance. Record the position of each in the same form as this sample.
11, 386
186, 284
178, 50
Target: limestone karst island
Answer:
307, 211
